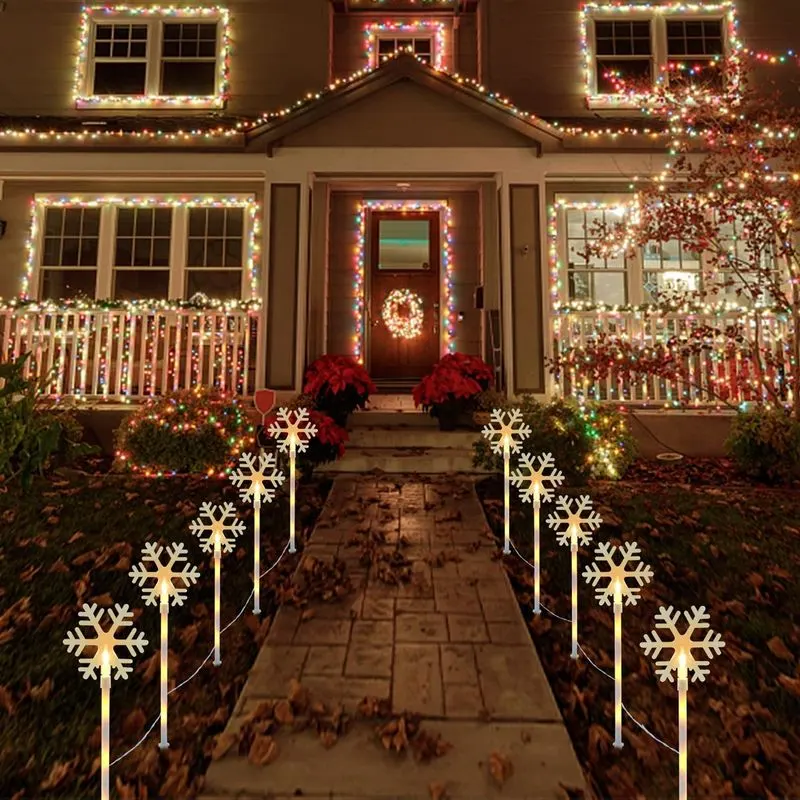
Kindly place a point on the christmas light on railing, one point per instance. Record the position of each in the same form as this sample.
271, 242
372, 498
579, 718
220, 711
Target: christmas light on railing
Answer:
617, 574
252, 479
505, 433
535, 486
579, 523
105, 642
217, 527
682, 661
292, 430
164, 577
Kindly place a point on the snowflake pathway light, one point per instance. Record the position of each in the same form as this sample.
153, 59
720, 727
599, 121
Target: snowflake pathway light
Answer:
536, 484
617, 575
105, 643
252, 480
682, 660
292, 430
579, 521
217, 527
164, 577
505, 432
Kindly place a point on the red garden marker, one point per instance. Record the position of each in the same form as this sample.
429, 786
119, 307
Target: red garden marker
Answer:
264, 401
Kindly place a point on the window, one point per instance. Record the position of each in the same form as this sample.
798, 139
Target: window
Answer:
420, 46
151, 58
628, 47
426, 39
404, 244
670, 270
158, 249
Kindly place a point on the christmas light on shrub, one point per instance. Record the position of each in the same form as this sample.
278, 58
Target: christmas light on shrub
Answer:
505, 432
105, 643
292, 430
682, 661
535, 486
408, 326
164, 577
217, 527
617, 576
579, 521
252, 478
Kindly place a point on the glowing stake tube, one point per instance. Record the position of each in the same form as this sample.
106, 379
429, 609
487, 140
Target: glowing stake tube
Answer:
617, 664
217, 559
164, 744
574, 553
683, 688
105, 713
536, 537
507, 495
257, 553
292, 456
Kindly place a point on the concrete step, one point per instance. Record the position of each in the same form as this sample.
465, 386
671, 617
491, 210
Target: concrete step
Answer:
392, 419
404, 460
414, 437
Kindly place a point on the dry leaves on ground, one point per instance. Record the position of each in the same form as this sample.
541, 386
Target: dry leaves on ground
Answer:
500, 768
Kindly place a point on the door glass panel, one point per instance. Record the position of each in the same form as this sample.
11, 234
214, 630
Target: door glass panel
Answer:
403, 244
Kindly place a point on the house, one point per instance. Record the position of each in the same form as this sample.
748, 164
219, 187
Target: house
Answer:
218, 194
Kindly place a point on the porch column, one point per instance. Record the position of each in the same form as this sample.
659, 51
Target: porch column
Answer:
283, 285
317, 272
526, 301
490, 229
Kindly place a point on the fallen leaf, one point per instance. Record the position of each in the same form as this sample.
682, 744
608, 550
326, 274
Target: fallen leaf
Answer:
263, 751
792, 685
779, 649
6, 701
328, 739
500, 768
42, 691
223, 744
58, 773
104, 599
134, 723
438, 790
283, 712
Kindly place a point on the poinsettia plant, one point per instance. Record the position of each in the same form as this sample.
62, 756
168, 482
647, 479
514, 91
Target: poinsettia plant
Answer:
339, 385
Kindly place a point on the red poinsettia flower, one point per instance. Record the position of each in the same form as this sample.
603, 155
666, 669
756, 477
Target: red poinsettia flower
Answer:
457, 376
329, 433
336, 374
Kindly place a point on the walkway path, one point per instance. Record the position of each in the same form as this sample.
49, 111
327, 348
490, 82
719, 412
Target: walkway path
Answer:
450, 644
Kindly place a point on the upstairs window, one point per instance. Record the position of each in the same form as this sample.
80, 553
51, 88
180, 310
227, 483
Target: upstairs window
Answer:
419, 46
153, 57
425, 39
628, 48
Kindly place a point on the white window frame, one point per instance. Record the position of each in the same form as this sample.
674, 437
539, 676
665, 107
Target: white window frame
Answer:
438, 31
154, 18
179, 245
657, 16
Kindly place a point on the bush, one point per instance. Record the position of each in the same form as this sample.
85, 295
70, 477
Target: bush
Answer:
765, 445
573, 435
34, 435
185, 432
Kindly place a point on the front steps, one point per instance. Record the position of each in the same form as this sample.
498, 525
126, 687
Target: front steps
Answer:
404, 442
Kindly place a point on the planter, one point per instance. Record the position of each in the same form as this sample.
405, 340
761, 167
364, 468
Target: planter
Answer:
452, 415
481, 418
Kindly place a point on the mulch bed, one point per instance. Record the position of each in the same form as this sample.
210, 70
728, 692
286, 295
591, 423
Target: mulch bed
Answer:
732, 548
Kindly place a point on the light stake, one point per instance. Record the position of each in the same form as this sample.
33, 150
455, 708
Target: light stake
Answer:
683, 661
617, 576
217, 527
164, 743
292, 430
251, 478
536, 485
579, 525
105, 643
505, 437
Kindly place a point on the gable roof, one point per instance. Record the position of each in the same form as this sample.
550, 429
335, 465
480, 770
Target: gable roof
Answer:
405, 67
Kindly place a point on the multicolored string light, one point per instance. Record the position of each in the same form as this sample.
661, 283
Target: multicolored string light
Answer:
437, 31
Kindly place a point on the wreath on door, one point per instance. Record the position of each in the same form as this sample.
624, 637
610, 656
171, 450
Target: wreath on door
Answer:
402, 314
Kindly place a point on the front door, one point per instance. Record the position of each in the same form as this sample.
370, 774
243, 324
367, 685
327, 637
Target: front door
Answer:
404, 294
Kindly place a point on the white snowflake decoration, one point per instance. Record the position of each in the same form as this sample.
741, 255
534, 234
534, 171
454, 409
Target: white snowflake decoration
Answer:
641, 573
164, 572
252, 479
222, 521
293, 425
513, 431
581, 521
546, 477
697, 618
105, 640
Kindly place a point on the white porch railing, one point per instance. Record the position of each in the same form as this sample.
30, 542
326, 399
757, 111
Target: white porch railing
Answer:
123, 353
711, 377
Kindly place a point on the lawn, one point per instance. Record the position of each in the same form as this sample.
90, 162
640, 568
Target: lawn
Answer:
73, 539
732, 548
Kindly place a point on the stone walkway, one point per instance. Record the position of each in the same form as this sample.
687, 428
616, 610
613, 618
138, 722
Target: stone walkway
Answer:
451, 645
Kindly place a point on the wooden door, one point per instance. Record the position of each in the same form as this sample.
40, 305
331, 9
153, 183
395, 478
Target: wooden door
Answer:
404, 260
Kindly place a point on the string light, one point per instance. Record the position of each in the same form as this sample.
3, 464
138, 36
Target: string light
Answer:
448, 271
406, 325
89, 17
378, 30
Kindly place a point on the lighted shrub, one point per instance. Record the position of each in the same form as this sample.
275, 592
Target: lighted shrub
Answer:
185, 432
765, 445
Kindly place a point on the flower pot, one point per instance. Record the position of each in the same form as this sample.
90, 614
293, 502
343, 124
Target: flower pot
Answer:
481, 418
448, 415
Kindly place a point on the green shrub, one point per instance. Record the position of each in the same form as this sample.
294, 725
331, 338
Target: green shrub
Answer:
574, 436
33, 434
184, 432
765, 445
